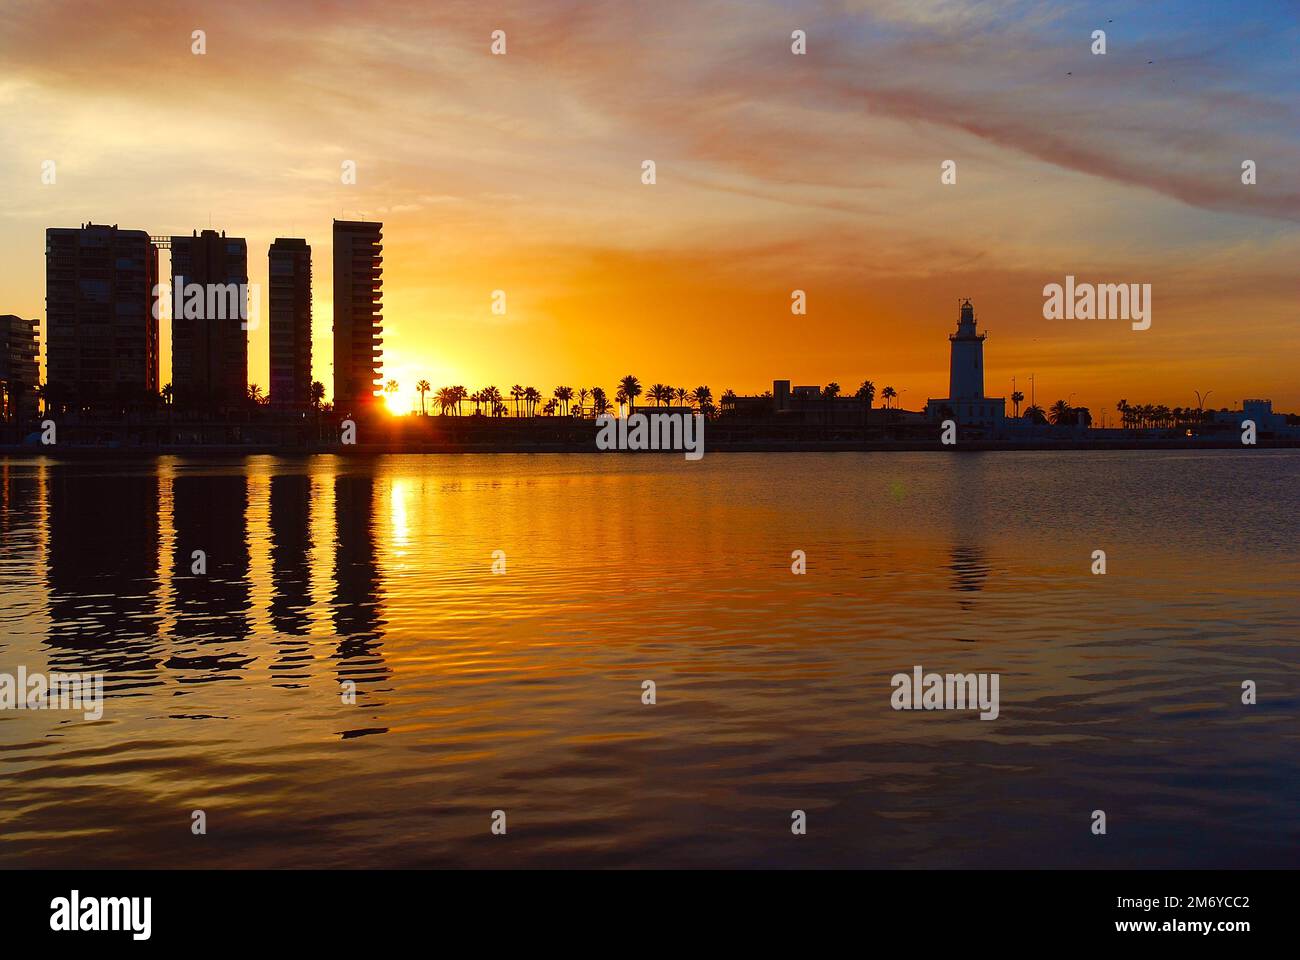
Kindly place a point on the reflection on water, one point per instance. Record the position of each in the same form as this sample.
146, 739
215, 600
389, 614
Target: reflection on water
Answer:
318, 654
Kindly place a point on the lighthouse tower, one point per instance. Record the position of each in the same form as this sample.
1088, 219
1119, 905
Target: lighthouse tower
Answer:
966, 404
966, 372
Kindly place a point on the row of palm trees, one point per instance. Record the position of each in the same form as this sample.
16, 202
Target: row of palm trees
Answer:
564, 401
1148, 416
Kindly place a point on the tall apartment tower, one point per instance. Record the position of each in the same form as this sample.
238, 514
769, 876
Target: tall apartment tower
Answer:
358, 314
101, 322
20, 368
290, 321
209, 341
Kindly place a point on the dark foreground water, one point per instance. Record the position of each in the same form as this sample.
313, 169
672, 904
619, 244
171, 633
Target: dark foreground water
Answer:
522, 691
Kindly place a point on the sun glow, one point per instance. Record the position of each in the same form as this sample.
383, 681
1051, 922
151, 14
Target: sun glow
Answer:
396, 403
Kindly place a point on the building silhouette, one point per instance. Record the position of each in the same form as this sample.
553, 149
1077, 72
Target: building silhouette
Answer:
289, 280
358, 314
209, 342
20, 369
101, 328
966, 403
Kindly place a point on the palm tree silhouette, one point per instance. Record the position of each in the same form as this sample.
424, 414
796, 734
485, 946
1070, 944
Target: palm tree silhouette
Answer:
599, 402
703, 398
422, 388
660, 394
516, 394
1034, 414
446, 399
889, 393
1017, 398
532, 397
583, 394
832, 390
564, 395
317, 393
1061, 413
631, 388
681, 393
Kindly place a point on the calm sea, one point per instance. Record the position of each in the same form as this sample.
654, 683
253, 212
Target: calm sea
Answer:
522, 691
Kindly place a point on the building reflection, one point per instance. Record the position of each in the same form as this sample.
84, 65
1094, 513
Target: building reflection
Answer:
357, 601
291, 558
209, 514
102, 570
969, 569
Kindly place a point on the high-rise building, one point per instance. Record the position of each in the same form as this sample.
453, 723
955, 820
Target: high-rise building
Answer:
101, 326
358, 314
209, 317
20, 369
289, 273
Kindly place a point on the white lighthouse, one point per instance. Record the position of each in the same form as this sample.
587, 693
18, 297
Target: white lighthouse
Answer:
966, 403
966, 372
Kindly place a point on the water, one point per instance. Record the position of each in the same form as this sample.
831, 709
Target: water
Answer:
522, 692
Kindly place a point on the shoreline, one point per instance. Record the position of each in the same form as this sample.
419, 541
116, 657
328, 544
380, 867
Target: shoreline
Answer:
757, 446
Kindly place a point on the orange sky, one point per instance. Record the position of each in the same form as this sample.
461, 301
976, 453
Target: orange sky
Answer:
775, 172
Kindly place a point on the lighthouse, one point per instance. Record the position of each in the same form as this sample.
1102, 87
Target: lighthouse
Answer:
966, 403
966, 370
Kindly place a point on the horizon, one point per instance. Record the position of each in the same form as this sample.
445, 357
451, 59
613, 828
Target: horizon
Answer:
818, 173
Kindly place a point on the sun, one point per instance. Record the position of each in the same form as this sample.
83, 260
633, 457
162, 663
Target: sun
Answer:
395, 402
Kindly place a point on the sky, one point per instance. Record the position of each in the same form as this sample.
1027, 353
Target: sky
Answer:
774, 172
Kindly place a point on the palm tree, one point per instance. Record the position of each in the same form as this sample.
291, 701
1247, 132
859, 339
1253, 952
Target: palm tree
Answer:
703, 398
563, 395
660, 393
1061, 414
631, 388
254, 393
1017, 398
460, 394
867, 392
599, 402
446, 399
491, 396
889, 393
317, 393
1034, 414
532, 397
168, 393
832, 390
390, 386
681, 393
583, 394
422, 388
548, 409
516, 394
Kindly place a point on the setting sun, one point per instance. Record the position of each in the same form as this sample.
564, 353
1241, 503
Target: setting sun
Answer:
397, 404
